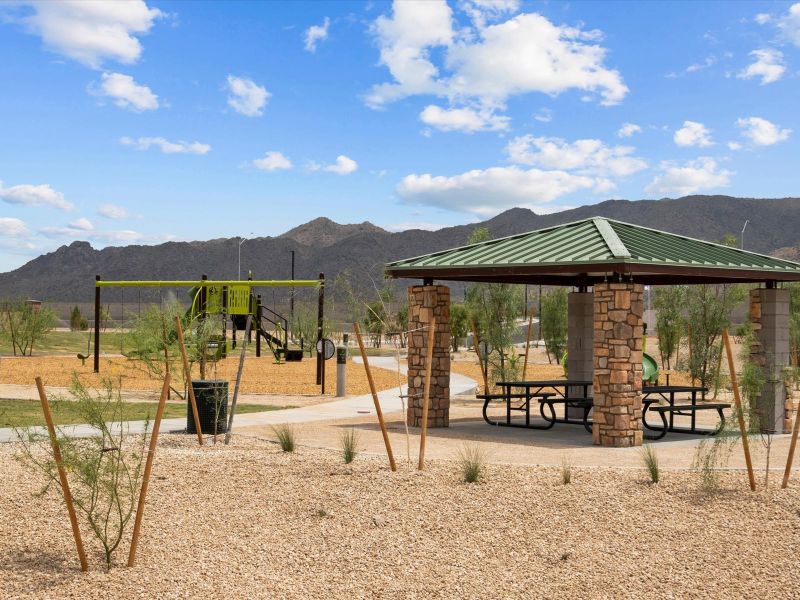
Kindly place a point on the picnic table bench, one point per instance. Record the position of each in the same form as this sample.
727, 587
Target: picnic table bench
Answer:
535, 390
651, 395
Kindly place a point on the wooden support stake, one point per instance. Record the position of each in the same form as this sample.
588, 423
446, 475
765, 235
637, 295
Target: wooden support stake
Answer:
426, 393
238, 378
792, 446
148, 467
188, 375
689, 332
527, 345
375, 397
62, 474
476, 338
739, 413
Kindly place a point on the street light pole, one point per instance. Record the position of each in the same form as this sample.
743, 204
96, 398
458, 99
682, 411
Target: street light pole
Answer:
241, 241
741, 238
291, 298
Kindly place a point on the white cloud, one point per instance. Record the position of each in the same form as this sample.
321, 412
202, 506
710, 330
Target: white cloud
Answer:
481, 11
762, 132
92, 32
789, 24
125, 92
73, 231
543, 115
768, 64
586, 157
425, 226
11, 227
708, 62
83, 224
628, 129
112, 211
316, 34
167, 147
693, 134
342, 166
486, 65
34, 195
762, 18
734, 146
246, 96
272, 161
486, 192
691, 177
463, 119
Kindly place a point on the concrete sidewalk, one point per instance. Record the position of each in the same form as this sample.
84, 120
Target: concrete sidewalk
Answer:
347, 408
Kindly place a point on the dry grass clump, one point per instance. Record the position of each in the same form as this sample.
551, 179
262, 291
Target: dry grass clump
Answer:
650, 460
566, 471
349, 441
472, 463
286, 437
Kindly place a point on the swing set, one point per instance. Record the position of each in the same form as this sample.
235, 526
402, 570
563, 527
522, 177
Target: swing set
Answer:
236, 300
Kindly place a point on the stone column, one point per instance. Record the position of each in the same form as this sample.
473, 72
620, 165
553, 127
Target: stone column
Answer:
769, 314
425, 301
617, 380
580, 317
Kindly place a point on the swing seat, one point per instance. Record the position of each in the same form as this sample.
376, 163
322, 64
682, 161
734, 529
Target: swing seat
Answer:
83, 358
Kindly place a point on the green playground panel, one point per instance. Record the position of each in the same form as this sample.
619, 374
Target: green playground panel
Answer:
239, 300
214, 300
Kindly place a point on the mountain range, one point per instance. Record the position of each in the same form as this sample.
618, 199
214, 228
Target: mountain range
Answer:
360, 250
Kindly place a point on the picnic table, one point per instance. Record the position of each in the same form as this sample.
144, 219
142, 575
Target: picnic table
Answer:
548, 393
652, 395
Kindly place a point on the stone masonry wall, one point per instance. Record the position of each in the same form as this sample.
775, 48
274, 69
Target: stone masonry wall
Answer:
425, 301
617, 381
769, 315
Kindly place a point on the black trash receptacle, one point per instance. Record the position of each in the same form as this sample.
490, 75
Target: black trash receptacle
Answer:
209, 393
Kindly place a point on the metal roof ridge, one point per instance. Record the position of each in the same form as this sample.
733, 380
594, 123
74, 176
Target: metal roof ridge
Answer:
610, 237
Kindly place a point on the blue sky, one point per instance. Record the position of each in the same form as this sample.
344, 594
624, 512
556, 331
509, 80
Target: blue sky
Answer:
140, 122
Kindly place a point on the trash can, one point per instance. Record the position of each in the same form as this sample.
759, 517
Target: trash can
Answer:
212, 403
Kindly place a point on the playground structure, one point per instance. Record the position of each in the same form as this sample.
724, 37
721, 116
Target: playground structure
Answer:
236, 300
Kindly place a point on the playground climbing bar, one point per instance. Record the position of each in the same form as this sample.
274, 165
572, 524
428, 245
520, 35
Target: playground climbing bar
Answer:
203, 284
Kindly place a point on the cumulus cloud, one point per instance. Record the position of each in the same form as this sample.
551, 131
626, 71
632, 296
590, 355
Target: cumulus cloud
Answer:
693, 134
11, 227
463, 119
92, 32
34, 195
167, 147
543, 115
76, 231
768, 64
734, 146
763, 18
316, 34
125, 92
272, 161
487, 192
689, 178
488, 64
82, 224
112, 211
762, 132
408, 225
246, 96
342, 166
789, 25
587, 157
628, 129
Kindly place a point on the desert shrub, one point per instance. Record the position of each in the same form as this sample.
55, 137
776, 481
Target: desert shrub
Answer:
669, 304
553, 322
286, 437
23, 324
77, 322
566, 472
472, 463
349, 442
104, 469
650, 460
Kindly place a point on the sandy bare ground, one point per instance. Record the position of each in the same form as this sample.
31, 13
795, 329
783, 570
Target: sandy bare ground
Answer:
248, 521
260, 376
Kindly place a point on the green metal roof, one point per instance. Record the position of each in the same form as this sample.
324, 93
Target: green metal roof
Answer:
595, 249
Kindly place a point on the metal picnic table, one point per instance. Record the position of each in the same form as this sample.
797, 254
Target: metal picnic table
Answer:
654, 393
559, 393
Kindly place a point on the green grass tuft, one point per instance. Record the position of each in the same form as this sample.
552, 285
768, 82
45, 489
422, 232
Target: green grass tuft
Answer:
349, 440
472, 461
286, 436
650, 460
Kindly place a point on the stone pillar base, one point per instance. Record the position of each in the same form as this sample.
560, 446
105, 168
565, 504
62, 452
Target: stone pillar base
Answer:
617, 359
424, 302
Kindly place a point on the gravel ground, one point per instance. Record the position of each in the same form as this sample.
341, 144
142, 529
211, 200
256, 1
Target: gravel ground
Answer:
247, 521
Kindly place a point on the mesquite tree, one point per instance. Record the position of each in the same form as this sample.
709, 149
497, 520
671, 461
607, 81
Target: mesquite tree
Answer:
553, 322
669, 304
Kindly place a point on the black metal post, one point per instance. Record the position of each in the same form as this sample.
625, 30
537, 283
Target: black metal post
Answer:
291, 298
320, 318
258, 325
96, 324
